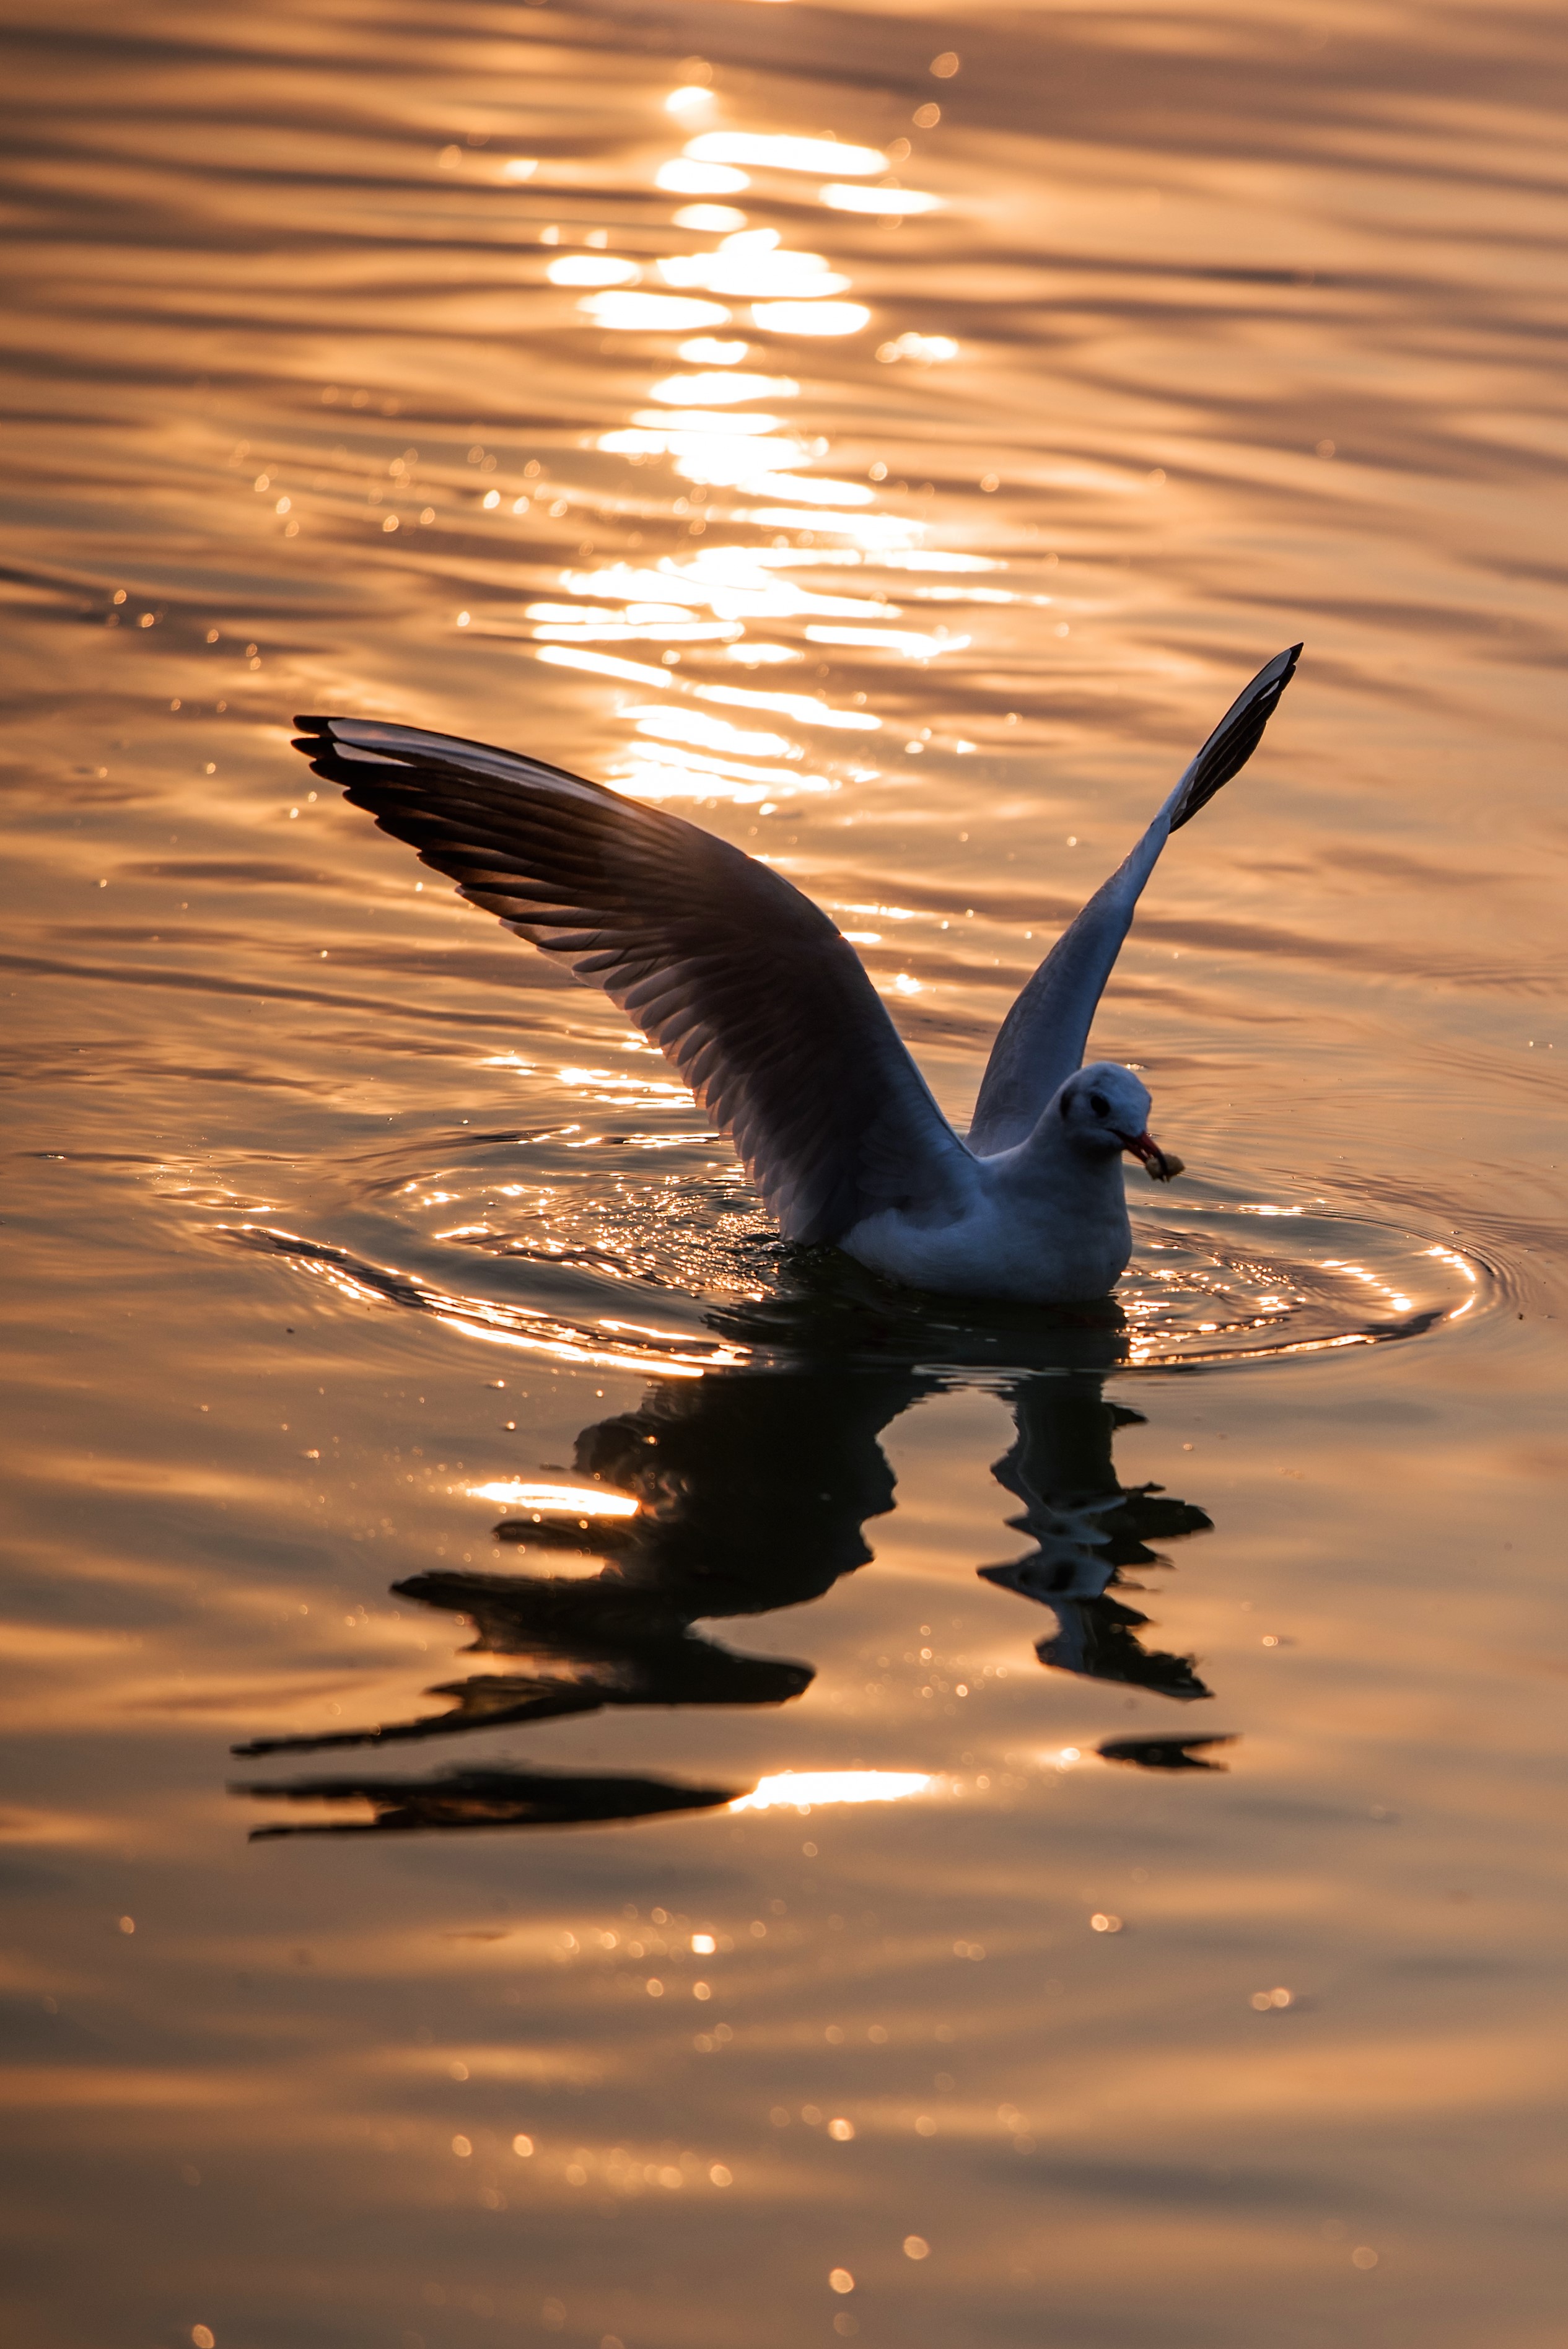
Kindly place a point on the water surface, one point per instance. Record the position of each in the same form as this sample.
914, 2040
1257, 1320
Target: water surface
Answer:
574, 1773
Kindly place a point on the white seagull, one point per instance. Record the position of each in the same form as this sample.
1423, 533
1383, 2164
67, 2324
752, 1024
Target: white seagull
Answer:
767, 1012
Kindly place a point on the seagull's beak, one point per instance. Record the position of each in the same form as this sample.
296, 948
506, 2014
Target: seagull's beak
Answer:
1163, 1165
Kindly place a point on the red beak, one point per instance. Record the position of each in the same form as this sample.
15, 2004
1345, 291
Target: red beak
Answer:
1163, 1165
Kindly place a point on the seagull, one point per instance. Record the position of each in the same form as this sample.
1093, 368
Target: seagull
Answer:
760, 1002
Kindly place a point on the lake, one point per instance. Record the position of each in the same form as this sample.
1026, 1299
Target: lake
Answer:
575, 1772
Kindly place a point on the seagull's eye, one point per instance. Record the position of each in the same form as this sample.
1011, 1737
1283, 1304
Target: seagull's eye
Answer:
1099, 1105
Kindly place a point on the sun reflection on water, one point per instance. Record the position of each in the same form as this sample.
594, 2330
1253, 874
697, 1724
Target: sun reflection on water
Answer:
722, 389
771, 152
802, 1790
642, 314
879, 200
573, 1500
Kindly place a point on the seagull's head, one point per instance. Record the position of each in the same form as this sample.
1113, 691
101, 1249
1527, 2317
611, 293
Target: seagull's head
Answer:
1103, 1110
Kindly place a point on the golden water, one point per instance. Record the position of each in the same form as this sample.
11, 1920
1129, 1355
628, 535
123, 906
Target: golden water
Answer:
755, 1941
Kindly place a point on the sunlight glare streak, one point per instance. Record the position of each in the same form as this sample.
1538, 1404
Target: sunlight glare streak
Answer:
558, 1500
611, 631
572, 1350
603, 664
905, 642
873, 529
654, 772
723, 388
945, 560
734, 582
686, 176
717, 459
926, 350
779, 557
707, 766
803, 708
622, 1084
802, 1789
772, 152
587, 613
710, 733
710, 220
890, 201
752, 266
638, 780
635, 585
651, 313
811, 489
701, 420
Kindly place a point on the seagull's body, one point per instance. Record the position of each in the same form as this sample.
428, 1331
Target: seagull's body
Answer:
764, 1008
1042, 1221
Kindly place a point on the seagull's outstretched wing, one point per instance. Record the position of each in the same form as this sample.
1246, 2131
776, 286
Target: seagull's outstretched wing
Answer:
741, 982
1041, 1040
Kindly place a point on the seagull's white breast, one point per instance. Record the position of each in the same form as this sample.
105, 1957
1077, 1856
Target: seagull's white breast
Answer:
1043, 1235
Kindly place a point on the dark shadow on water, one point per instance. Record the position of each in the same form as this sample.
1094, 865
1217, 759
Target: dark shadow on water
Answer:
753, 1486
1164, 1753
487, 1798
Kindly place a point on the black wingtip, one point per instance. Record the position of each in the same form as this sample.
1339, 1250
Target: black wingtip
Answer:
333, 753
313, 738
1236, 737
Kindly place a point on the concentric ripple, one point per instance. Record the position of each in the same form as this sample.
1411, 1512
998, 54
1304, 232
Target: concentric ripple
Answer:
678, 1272
1254, 1280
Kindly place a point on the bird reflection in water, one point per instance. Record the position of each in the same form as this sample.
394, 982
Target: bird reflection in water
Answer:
1087, 1530
488, 1799
753, 1489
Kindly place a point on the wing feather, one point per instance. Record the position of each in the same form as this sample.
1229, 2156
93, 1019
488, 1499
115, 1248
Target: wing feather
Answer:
743, 984
1042, 1040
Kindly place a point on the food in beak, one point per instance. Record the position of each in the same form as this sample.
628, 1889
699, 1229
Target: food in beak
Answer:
1163, 1165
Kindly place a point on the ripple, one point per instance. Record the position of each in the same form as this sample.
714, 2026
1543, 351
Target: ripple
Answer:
602, 1345
680, 1273
1257, 1280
